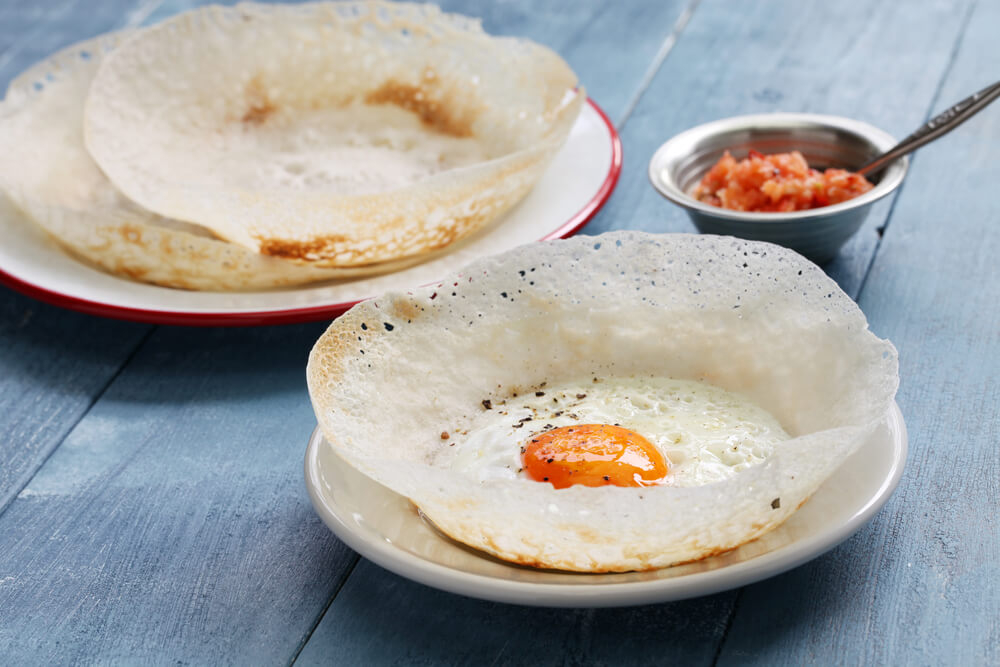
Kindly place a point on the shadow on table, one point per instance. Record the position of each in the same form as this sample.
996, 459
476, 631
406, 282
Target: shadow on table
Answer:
808, 610
70, 352
386, 619
219, 364
380, 618
60, 350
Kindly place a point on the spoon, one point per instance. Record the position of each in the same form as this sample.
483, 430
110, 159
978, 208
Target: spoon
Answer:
940, 125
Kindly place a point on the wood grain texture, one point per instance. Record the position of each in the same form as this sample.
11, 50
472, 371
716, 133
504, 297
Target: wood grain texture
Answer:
172, 524
921, 584
686, 91
381, 619
589, 34
786, 56
53, 363
31, 31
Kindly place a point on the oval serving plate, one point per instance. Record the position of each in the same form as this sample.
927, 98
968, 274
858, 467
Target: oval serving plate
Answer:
577, 183
388, 530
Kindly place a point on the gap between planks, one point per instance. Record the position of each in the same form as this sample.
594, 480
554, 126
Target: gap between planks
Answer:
90, 406
322, 613
134, 17
729, 624
654, 66
952, 57
661, 55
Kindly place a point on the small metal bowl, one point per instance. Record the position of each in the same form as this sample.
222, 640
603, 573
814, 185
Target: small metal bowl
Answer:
825, 141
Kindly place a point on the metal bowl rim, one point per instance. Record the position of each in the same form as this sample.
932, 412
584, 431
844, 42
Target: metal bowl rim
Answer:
891, 178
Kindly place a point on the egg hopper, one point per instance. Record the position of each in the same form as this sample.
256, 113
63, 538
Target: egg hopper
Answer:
745, 317
389, 530
333, 134
58, 185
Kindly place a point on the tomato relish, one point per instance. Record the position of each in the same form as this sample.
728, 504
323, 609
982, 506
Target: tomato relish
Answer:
776, 184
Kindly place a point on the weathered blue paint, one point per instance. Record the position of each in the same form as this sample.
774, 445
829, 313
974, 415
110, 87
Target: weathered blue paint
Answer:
674, 101
814, 57
381, 619
167, 522
921, 584
172, 523
53, 364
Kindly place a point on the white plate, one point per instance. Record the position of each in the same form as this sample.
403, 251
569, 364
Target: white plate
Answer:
387, 529
579, 180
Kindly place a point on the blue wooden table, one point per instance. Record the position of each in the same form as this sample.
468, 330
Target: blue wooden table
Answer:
152, 507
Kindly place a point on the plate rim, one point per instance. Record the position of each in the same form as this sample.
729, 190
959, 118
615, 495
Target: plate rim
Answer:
623, 594
306, 313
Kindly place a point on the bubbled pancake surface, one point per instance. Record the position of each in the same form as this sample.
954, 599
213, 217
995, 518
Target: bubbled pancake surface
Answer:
48, 173
334, 134
748, 317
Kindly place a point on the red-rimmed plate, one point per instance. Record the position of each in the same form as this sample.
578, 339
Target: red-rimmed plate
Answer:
577, 183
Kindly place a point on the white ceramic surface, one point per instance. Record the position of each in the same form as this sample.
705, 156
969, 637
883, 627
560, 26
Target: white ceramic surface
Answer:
387, 529
577, 183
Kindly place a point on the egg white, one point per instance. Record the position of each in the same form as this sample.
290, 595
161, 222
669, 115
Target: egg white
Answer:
705, 433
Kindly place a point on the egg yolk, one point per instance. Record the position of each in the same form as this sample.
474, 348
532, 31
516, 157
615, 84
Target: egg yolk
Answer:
593, 455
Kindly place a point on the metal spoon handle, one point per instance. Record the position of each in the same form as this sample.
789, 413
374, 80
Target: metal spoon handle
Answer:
943, 123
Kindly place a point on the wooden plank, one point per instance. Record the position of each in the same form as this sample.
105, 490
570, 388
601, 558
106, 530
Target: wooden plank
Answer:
53, 363
21, 24
589, 35
382, 619
785, 56
921, 584
32, 31
172, 524
723, 64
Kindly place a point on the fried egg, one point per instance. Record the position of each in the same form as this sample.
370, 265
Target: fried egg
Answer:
733, 378
619, 431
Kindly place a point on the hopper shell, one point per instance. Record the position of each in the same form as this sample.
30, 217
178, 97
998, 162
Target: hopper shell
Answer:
334, 134
47, 172
389, 376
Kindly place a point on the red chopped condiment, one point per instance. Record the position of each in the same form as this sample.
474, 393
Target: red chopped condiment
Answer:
776, 183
